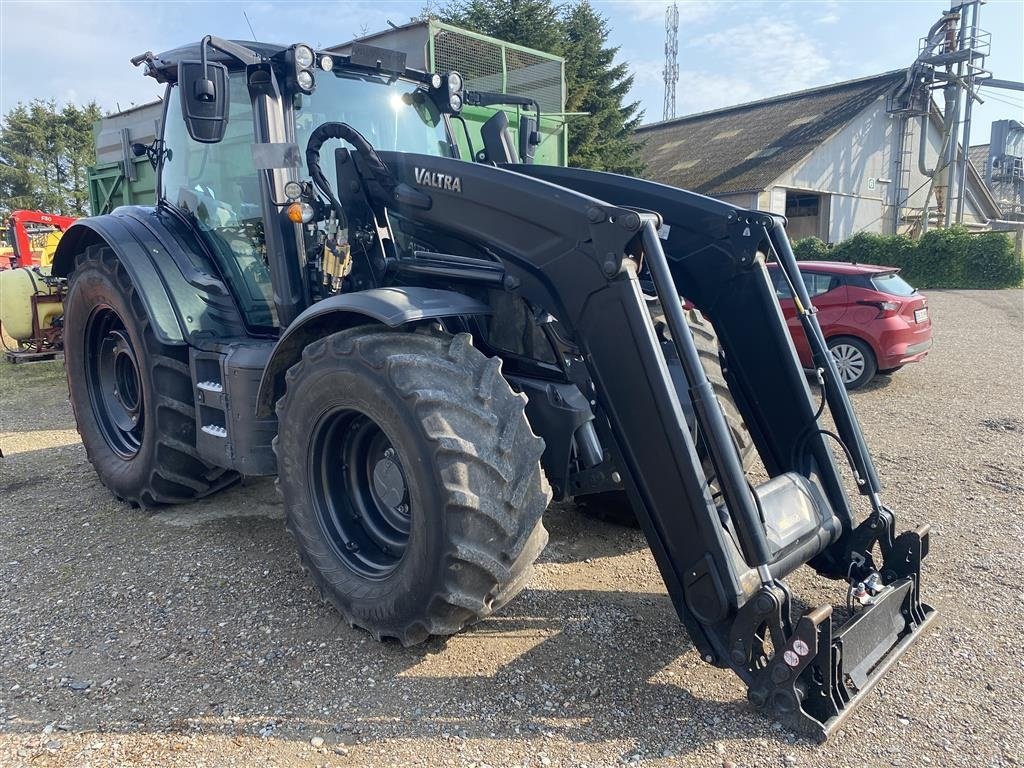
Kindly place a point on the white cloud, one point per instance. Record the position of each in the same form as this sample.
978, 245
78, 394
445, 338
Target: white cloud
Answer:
828, 18
654, 10
784, 59
721, 68
96, 39
701, 91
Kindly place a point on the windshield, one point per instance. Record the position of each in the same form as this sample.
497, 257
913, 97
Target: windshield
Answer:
391, 117
892, 284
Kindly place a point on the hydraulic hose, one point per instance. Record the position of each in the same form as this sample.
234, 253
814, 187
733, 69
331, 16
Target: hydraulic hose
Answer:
344, 132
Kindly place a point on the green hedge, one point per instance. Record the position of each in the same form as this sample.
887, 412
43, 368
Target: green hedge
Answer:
942, 258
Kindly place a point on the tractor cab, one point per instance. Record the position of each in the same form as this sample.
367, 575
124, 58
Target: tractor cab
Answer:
237, 125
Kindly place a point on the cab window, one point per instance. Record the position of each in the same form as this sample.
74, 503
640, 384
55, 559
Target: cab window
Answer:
396, 117
217, 184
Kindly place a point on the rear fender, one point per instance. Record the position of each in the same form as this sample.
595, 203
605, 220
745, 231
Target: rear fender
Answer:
184, 297
392, 307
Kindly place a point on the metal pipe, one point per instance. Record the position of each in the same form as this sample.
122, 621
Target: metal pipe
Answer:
739, 498
922, 145
952, 164
945, 174
1010, 85
968, 107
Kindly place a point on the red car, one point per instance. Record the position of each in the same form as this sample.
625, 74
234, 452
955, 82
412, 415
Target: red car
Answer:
874, 321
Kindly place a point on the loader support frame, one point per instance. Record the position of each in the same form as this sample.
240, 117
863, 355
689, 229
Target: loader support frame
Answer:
580, 258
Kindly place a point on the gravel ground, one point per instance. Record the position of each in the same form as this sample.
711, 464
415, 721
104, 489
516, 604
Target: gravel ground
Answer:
190, 637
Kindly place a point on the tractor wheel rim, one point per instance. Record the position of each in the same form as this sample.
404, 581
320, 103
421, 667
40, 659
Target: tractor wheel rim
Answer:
360, 493
850, 362
114, 382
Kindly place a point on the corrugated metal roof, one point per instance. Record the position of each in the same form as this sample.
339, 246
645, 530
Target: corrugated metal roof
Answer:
746, 147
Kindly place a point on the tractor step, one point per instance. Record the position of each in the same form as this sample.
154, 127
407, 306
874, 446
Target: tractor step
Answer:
225, 380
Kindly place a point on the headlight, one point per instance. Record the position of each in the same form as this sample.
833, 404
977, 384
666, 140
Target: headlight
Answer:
305, 80
455, 102
435, 81
303, 56
293, 190
326, 63
454, 82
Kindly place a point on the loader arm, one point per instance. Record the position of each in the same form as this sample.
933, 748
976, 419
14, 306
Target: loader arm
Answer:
579, 257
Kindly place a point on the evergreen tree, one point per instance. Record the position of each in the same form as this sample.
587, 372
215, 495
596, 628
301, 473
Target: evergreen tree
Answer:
533, 23
45, 152
594, 83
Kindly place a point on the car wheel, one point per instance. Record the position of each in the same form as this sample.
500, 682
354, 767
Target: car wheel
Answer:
855, 361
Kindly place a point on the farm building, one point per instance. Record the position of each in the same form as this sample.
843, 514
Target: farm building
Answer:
830, 159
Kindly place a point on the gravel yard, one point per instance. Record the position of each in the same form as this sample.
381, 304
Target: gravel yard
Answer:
190, 636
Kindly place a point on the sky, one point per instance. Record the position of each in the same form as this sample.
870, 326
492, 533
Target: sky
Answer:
730, 51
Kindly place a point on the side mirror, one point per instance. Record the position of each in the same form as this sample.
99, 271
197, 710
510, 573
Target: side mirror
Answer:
204, 99
529, 137
498, 144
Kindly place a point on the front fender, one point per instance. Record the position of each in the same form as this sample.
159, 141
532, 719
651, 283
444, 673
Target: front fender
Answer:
175, 280
393, 307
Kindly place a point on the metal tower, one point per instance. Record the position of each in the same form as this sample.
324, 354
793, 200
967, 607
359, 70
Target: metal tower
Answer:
671, 71
951, 59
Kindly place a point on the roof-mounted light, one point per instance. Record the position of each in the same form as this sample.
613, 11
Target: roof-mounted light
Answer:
303, 56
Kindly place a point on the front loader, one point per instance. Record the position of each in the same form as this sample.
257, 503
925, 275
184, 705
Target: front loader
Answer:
426, 349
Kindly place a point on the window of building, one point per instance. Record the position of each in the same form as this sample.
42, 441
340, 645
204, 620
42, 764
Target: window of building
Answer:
801, 205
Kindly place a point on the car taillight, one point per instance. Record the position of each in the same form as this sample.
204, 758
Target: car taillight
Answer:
885, 308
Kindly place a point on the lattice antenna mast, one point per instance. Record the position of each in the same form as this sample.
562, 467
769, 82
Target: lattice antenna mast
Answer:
671, 71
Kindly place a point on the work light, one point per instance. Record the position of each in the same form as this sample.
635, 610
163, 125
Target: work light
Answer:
303, 56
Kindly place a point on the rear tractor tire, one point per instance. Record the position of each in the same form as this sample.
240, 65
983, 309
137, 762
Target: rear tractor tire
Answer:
411, 480
132, 396
614, 506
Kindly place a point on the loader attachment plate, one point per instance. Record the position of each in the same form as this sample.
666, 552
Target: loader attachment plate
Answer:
816, 680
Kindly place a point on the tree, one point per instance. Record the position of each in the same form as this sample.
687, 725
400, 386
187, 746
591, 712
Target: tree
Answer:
602, 140
45, 152
533, 23
595, 84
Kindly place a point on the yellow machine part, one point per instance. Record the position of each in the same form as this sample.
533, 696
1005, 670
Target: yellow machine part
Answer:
17, 286
46, 245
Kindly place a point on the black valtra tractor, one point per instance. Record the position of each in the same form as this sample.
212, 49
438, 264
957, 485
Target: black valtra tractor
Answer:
425, 350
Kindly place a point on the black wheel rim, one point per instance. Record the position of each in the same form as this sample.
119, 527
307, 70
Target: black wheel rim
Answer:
114, 382
360, 493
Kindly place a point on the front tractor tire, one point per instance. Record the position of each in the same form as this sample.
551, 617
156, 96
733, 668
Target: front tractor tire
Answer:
132, 396
411, 480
